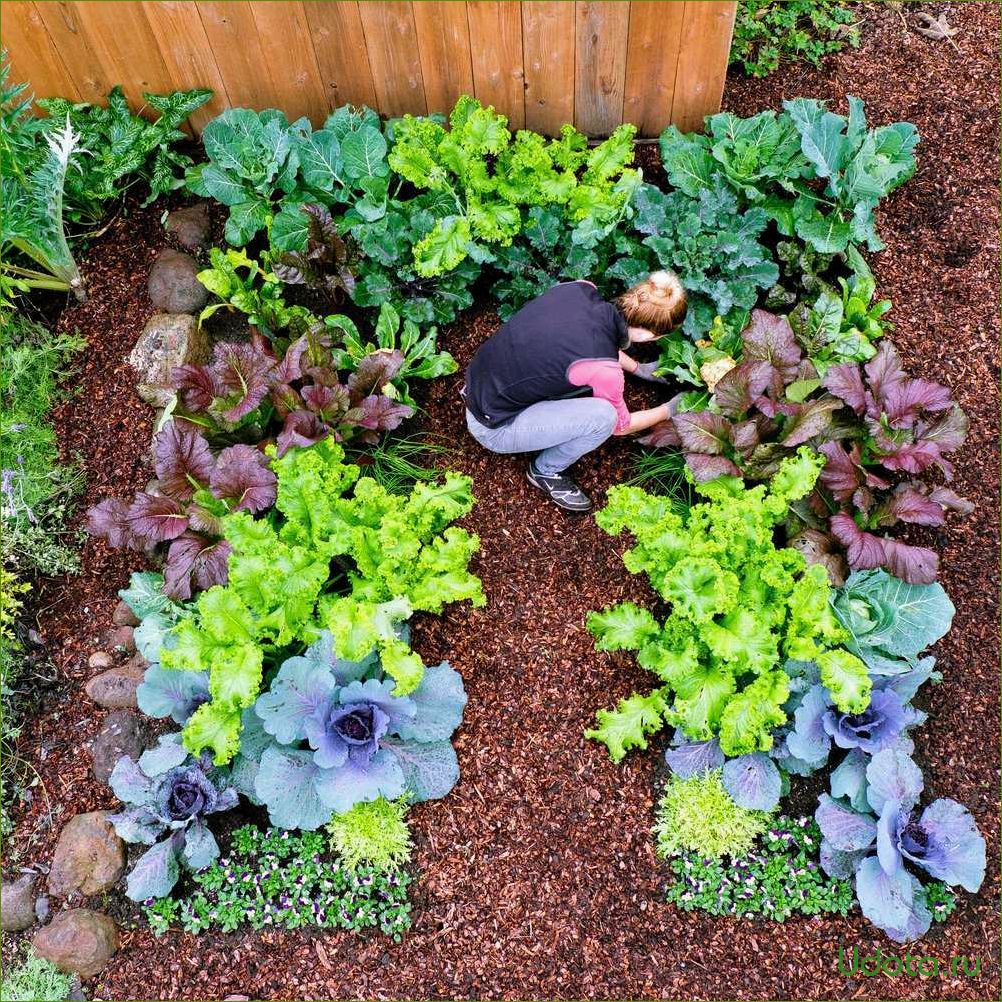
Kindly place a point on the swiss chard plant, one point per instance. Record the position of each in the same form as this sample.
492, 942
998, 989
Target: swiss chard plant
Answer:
194, 489
168, 796
898, 428
489, 177
338, 553
741, 609
264, 167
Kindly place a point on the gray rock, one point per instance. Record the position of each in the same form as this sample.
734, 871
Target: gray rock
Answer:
123, 733
115, 689
123, 615
173, 285
100, 659
78, 941
167, 341
89, 856
189, 226
42, 909
122, 638
17, 903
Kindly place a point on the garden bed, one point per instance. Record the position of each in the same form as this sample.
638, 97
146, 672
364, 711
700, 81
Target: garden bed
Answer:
537, 874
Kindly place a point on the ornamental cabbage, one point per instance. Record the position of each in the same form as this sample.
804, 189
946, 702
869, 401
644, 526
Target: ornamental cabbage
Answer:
740, 609
885, 840
332, 733
339, 553
167, 792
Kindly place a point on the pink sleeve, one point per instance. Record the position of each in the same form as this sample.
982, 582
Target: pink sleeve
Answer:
605, 377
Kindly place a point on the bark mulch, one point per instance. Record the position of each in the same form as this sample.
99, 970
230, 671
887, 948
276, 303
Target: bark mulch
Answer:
538, 878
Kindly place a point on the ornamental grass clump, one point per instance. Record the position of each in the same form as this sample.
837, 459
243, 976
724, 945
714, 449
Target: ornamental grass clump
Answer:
374, 834
699, 815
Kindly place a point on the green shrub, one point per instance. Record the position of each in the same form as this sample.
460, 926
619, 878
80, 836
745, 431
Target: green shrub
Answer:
698, 814
373, 833
767, 32
34, 980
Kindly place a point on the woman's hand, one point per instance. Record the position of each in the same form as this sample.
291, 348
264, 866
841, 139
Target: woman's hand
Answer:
645, 371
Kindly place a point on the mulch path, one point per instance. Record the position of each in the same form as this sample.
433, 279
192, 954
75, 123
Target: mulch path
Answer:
537, 874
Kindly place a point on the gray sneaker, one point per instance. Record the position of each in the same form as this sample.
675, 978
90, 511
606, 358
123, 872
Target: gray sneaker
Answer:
561, 490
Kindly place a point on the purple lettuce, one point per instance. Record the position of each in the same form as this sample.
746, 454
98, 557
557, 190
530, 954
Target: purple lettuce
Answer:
325, 262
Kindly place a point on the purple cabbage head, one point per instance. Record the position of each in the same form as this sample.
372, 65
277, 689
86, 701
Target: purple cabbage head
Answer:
879, 726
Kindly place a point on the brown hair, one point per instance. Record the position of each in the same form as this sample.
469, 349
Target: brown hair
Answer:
658, 303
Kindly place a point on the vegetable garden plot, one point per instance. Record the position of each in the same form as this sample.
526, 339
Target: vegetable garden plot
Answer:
826, 681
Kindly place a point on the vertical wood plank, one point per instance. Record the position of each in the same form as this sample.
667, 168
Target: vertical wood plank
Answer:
289, 60
187, 54
651, 64
548, 43
600, 66
34, 59
702, 63
496, 44
339, 44
443, 34
121, 40
391, 40
232, 33
69, 36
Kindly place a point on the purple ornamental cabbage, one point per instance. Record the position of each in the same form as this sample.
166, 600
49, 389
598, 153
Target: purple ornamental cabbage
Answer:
330, 733
884, 843
167, 792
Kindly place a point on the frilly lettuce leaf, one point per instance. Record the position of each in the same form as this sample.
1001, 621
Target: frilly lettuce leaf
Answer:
629, 725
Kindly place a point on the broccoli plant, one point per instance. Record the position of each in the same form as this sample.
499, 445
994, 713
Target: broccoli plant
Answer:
741, 610
168, 793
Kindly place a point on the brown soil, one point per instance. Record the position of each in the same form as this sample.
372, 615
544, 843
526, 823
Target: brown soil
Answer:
538, 878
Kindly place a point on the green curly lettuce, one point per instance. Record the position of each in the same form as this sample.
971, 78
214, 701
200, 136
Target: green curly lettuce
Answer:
740, 609
339, 553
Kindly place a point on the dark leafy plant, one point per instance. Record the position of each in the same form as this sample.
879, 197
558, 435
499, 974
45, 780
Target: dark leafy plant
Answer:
901, 428
710, 244
194, 489
124, 147
168, 793
760, 411
272, 879
324, 263
769, 32
778, 878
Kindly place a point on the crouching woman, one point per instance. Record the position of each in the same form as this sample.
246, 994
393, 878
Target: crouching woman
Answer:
551, 380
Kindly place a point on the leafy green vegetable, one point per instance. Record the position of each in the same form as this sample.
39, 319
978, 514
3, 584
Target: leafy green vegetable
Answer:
373, 833
121, 144
767, 32
338, 552
740, 607
487, 177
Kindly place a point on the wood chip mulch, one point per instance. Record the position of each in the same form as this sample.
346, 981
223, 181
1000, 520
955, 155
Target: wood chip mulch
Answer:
537, 874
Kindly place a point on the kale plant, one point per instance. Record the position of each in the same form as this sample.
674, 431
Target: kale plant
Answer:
276, 880
739, 609
168, 793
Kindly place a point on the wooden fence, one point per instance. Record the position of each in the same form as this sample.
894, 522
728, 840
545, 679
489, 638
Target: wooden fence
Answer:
542, 64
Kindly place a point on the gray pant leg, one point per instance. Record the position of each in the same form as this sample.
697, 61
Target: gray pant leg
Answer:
561, 431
